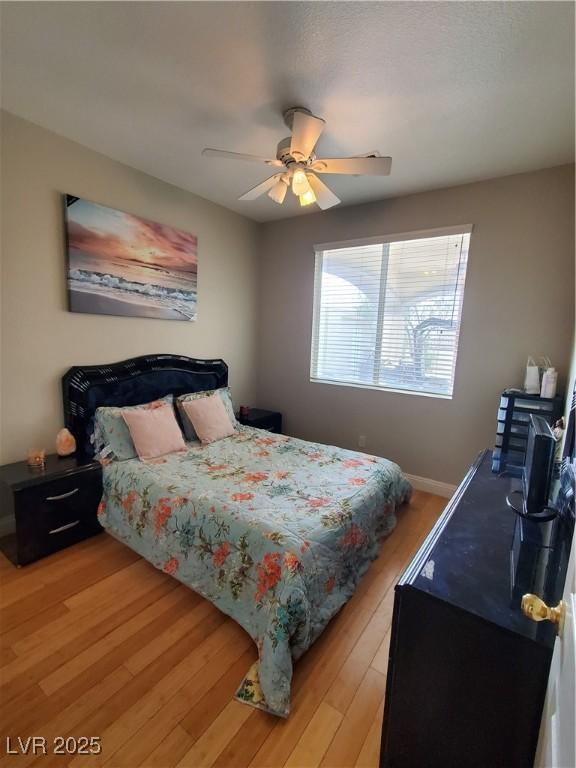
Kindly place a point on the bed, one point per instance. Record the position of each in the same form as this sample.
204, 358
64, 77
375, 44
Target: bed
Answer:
275, 531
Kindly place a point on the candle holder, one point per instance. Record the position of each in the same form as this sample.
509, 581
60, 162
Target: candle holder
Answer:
36, 458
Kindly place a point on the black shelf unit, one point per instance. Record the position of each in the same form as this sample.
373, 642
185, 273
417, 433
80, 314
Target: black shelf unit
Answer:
512, 425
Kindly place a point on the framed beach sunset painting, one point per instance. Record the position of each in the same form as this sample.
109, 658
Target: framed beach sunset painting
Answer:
121, 264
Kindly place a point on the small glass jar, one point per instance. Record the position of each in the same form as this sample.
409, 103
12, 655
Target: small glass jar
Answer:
36, 458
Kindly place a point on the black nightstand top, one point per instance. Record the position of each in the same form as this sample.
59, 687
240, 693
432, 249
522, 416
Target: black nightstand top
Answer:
262, 419
20, 475
257, 414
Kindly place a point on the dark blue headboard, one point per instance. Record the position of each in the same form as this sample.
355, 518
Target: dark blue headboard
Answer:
132, 382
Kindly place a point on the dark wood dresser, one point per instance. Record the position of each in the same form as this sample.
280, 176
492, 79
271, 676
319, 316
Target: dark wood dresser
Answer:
468, 671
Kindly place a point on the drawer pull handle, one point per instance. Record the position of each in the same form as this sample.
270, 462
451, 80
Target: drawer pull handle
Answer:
536, 609
62, 495
64, 527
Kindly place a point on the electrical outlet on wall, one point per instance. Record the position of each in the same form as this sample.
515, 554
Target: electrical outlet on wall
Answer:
361, 441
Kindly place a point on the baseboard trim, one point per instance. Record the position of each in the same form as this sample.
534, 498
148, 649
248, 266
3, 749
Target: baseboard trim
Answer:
431, 486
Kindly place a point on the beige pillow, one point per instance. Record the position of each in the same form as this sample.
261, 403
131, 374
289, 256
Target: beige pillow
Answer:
209, 418
154, 432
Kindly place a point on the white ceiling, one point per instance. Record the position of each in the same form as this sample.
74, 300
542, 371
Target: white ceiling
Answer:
454, 91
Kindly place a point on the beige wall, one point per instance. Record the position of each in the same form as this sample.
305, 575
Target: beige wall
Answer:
40, 339
519, 300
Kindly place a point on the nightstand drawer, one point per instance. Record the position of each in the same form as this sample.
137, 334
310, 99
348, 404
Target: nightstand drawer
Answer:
55, 514
269, 425
258, 418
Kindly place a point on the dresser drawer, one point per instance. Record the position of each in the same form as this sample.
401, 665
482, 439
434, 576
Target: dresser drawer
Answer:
55, 514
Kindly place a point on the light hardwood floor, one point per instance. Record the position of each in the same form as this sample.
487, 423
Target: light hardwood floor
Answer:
94, 641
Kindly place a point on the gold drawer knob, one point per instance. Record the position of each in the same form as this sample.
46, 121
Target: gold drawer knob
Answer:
536, 609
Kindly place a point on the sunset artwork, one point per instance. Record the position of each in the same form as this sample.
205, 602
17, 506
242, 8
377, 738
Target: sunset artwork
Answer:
121, 264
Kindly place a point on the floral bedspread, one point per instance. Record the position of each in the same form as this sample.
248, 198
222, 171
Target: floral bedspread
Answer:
275, 531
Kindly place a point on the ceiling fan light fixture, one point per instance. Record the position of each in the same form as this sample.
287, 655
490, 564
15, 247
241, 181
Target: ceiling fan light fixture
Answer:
307, 198
300, 184
278, 192
300, 167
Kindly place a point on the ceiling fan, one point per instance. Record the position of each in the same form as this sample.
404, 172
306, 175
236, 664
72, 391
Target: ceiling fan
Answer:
299, 163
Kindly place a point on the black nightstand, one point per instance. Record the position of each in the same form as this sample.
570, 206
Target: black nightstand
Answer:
261, 419
44, 510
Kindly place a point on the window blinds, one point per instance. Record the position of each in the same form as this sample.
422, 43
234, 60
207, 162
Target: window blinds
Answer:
387, 314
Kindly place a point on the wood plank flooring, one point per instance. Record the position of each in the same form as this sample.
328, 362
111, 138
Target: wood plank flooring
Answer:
94, 641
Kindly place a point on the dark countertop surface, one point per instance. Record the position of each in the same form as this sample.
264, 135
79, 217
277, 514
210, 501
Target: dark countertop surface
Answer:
467, 559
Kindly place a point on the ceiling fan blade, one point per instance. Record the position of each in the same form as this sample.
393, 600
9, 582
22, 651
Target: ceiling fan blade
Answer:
209, 152
261, 188
306, 130
355, 166
324, 196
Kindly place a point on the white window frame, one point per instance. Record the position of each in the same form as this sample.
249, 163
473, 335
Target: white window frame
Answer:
319, 248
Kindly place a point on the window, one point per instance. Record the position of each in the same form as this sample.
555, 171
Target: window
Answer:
387, 312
